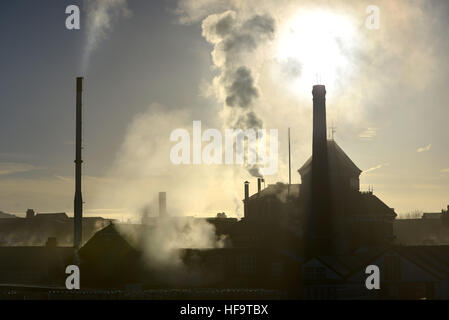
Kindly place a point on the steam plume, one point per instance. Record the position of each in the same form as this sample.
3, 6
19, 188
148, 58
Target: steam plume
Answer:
101, 15
233, 38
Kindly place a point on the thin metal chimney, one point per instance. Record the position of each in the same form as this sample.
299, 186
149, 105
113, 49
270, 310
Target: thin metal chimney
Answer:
78, 203
245, 203
289, 161
162, 204
259, 184
289, 165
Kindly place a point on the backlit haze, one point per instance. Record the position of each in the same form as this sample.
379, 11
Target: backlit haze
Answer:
151, 67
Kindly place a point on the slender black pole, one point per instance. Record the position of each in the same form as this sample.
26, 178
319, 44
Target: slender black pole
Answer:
289, 160
78, 203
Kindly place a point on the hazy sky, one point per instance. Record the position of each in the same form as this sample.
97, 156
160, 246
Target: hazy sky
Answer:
157, 66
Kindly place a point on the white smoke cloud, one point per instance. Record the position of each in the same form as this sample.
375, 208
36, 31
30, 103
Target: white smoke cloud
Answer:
424, 149
371, 64
143, 168
234, 39
101, 15
162, 243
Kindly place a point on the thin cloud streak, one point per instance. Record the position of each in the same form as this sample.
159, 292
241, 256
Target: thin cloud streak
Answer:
424, 149
7, 168
375, 168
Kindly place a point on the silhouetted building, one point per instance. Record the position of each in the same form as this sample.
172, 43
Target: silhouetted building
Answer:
36, 228
311, 240
108, 260
431, 229
274, 203
33, 265
327, 209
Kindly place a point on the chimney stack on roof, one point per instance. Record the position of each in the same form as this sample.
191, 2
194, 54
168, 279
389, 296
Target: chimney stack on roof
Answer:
319, 152
162, 204
30, 214
321, 219
245, 203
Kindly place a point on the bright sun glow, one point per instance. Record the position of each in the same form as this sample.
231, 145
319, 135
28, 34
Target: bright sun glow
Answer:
319, 45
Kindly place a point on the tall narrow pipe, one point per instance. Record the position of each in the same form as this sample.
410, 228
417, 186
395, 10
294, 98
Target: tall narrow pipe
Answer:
289, 160
162, 204
245, 203
259, 184
78, 203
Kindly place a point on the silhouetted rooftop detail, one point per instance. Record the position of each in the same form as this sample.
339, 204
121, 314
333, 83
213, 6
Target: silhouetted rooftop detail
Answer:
337, 159
279, 189
52, 216
367, 204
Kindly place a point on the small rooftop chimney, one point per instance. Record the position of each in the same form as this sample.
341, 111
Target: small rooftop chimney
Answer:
30, 213
162, 204
245, 203
259, 184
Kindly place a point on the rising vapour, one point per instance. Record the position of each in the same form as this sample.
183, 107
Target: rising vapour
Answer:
373, 65
233, 39
142, 169
254, 89
163, 243
101, 16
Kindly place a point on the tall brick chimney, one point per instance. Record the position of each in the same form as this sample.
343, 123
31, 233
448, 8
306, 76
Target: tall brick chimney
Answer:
320, 214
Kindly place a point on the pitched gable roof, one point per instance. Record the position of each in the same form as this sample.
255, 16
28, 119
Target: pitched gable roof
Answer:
105, 239
337, 159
